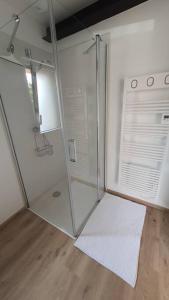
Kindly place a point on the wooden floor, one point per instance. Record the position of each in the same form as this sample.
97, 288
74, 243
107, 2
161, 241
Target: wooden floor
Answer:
38, 262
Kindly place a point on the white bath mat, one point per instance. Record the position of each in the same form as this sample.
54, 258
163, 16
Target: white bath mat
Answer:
112, 236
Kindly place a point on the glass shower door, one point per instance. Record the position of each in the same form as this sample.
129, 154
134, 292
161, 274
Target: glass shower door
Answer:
81, 71
83, 125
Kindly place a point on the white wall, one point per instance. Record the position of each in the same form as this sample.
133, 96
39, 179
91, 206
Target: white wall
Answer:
10, 194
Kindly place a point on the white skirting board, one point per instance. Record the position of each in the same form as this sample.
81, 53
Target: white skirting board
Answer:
112, 236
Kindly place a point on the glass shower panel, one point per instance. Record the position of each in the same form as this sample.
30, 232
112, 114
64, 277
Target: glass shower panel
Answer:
27, 90
78, 78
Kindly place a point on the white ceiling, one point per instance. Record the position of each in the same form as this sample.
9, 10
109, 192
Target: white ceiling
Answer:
62, 8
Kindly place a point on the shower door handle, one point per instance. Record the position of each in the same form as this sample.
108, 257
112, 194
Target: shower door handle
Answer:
72, 150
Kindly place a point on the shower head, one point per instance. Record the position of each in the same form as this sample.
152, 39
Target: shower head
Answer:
11, 58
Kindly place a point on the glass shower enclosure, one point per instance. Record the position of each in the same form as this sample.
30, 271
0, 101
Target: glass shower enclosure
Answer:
52, 104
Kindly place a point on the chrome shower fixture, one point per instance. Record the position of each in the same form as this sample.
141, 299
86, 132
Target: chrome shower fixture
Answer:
10, 47
92, 45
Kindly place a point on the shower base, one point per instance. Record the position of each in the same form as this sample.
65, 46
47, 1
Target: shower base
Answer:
56, 210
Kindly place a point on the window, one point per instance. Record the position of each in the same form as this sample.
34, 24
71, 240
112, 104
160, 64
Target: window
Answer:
42, 89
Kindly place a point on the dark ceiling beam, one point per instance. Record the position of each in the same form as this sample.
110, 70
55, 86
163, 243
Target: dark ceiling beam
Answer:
92, 14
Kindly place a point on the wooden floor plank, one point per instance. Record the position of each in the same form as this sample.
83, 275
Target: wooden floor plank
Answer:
37, 261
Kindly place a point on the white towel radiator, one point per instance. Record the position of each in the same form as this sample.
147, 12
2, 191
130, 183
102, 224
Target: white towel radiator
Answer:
144, 135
